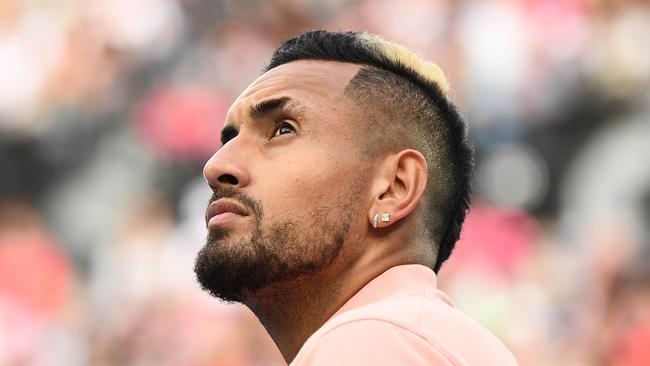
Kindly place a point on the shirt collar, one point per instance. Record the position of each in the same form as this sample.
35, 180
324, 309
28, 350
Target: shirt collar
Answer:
397, 281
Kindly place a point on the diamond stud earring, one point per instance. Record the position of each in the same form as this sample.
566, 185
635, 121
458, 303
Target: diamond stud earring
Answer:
375, 221
385, 217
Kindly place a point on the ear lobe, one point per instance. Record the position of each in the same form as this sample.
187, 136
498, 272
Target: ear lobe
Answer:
406, 174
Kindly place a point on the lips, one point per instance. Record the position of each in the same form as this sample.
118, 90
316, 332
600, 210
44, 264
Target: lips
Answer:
223, 210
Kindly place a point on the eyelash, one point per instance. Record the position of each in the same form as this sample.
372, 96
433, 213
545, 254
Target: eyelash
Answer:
279, 125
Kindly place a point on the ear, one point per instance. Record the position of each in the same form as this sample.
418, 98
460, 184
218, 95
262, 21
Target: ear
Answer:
398, 187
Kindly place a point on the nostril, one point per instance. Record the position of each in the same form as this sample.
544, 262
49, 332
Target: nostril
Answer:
228, 179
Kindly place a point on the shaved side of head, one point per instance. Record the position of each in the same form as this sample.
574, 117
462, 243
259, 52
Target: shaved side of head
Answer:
403, 102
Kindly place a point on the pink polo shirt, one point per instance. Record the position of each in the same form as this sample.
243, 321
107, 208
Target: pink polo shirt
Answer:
401, 318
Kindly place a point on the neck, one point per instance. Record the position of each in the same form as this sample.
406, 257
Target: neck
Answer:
292, 311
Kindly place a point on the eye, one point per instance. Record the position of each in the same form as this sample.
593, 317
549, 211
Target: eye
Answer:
228, 133
283, 128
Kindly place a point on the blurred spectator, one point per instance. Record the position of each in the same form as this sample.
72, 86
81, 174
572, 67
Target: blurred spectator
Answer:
36, 283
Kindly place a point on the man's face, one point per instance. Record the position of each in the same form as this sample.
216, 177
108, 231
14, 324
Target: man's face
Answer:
288, 182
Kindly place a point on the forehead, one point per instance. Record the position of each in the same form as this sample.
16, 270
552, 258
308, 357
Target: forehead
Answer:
312, 83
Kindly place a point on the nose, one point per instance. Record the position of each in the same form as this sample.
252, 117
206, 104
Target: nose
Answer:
226, 167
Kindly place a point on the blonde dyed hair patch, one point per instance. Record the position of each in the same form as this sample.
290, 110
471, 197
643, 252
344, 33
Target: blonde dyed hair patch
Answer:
403, 56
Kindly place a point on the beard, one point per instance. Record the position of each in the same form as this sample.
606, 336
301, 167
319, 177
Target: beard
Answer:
232, 267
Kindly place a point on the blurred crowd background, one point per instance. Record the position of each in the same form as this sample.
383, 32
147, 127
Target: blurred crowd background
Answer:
109, 109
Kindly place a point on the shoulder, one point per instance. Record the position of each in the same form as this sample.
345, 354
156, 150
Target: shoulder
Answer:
413, 330
368, 341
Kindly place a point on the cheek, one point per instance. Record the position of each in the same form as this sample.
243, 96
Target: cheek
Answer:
304, 186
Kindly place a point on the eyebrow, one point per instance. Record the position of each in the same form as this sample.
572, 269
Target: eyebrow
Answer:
274, 105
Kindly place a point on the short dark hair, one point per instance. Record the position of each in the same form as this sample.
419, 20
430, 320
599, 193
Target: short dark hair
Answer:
413, 93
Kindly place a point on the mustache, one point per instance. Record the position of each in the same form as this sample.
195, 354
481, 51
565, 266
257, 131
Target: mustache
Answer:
251, 204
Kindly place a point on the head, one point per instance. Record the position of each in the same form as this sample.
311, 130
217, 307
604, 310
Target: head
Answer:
340, 126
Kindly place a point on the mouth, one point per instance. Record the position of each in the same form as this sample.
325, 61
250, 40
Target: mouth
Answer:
222, 211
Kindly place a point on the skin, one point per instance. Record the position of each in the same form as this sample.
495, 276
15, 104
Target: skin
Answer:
312, 164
